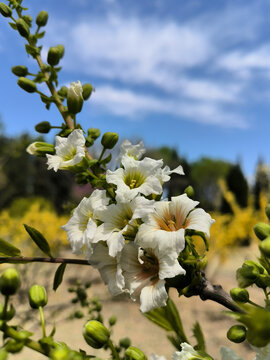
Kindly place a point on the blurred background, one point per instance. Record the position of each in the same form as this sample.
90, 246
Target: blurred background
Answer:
189, 78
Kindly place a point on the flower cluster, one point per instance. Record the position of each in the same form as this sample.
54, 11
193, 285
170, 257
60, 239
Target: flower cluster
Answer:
132, 239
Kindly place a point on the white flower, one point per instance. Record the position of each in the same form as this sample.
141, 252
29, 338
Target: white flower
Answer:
119, 222
75, 97
166, 226
145, 271
164, 174
136, 177
39, 148
69, 151
82, 225
135, 151
108, 267
156, 357
187, 353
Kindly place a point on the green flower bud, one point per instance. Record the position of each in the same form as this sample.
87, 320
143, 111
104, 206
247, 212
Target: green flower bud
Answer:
43, 127
133, 353
264, 246
112, 320
189, 191
267, 211
37, 296
22, 28
9, 282
125, 343
42, 18
61, 50
39, 148
87, 91
109, 140
28, 19
96, 334
75, 98
93, 133
53, 56
237, 333
13, 346
63, 91
5, 10
239, 295
19, 70
27, 84
59, 354
262, 230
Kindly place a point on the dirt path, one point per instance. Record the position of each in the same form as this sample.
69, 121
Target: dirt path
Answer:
131, 323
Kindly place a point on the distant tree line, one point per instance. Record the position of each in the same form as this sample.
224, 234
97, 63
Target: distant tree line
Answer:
22, 175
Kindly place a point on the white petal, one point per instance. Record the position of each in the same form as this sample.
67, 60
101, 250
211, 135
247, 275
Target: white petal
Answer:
115, 243
169, 266
54, 162
200, 220
181, 205
153, 296
186, 353
156, 357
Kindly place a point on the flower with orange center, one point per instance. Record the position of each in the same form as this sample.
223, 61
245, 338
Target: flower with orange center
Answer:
165, 226
145, 271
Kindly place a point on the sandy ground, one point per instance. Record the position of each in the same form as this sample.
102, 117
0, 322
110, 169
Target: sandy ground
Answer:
144, 334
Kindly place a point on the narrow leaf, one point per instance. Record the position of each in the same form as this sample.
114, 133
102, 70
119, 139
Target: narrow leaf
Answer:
6, 249
173, 317
58, 277
39, 239
158, 317
198, 334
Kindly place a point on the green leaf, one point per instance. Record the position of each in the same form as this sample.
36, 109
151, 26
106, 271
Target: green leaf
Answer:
175, 341
14, 26
158, 317
175, 320
198, 334
58, 277
106, 160
6, 249
39, 239
40, 35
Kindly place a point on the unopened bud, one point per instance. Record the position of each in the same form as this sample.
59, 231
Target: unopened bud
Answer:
112, 320
53, 56
264, 246
96, 334
13, 346
189, 191
59, 354
42, 18
267, 211
9, 282
125, 343
28, 19
22, 28
239, 295
5, 10
19, 70
262, 230
75, 98
27, 84
63, 91
37, 296
61, 50
39, 148
133, 353
109, 140
87, 91
93, 133
43, 127
237, 333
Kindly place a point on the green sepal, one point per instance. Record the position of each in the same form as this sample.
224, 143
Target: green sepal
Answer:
198, 334
6, 249
34, 51
39, 240
40, 35
58, 277
13, 346
192, 232
13, 25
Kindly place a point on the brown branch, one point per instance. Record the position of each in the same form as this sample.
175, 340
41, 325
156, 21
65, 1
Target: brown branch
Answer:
24, 259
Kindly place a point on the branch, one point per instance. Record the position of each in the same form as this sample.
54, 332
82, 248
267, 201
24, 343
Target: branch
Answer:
24, 259
208, 291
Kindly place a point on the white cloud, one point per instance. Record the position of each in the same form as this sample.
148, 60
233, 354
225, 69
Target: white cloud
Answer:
133, 105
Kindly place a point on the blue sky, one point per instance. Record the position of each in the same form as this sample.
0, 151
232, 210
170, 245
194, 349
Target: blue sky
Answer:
191, 74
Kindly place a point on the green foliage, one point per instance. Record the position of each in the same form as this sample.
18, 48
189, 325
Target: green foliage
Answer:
39, 240
58, 277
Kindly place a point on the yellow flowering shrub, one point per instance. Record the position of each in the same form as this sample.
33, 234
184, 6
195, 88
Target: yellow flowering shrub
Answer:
236, 229
38, 213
